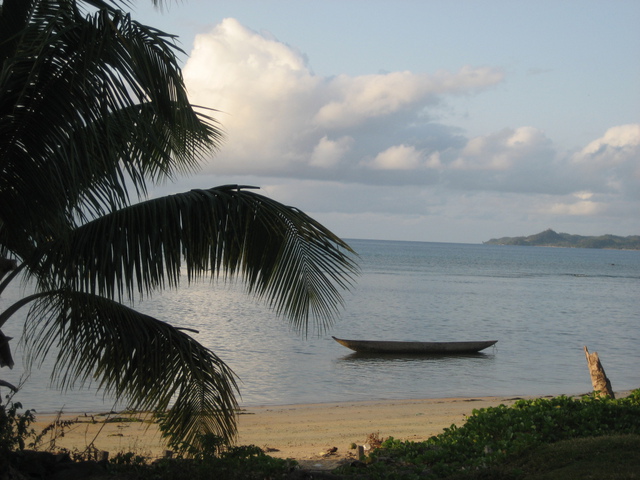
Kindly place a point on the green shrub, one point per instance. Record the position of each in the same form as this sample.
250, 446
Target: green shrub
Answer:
238, 462
14, 427
210, 457
492, 435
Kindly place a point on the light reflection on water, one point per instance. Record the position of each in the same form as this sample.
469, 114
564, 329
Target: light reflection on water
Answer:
543, 306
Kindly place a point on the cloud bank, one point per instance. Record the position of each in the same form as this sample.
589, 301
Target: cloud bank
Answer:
282, 119
373, 136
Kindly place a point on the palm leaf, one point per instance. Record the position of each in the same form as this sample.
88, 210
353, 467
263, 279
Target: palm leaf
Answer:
137, 358
90, 105
283, 255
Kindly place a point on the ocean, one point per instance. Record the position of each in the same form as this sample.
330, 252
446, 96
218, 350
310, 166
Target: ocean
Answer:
543, 305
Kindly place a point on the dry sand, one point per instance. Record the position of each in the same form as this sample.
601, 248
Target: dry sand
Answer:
305, 433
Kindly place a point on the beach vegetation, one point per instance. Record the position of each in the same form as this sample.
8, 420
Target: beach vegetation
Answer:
505, 438
15, 427
213, 460
93, 114
210, 457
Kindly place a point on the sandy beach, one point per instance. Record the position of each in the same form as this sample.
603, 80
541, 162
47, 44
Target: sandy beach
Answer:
306, 433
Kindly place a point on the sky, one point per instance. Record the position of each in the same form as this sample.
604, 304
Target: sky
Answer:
422, 120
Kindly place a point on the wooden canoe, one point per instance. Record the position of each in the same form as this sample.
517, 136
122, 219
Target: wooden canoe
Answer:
422, 348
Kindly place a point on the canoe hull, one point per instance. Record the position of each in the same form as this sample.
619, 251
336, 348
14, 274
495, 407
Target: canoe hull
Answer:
420, 348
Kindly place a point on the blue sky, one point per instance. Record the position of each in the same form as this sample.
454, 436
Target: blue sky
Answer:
453, 121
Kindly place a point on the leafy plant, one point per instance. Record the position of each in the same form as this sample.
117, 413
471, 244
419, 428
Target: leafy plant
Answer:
128, 458
206, 447
54, 430
245, 462
15, 428
492, 435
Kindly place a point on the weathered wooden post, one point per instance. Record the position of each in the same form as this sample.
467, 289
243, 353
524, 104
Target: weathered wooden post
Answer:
599, 380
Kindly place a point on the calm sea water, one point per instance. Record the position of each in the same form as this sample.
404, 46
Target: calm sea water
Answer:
543, 305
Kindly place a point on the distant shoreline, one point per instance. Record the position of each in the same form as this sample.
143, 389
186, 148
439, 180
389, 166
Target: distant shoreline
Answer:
549, 238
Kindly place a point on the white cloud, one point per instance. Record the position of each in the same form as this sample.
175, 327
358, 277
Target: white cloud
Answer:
398, 157
355, 100
611, 163
434, 161
617, 143
583, 195
280, 118
367, 153
618, 148
329, 153
501, 150
580, 208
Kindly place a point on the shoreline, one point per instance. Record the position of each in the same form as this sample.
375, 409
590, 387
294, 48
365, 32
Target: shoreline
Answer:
260, 405
304, 432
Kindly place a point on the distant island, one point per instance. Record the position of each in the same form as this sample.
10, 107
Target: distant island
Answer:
549, 238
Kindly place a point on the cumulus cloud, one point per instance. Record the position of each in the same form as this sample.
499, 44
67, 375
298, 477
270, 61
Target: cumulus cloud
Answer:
611, 163
356, 100
521, 159
397, 157
328, 153
281, 118
351, 141
577, 204
577, 208
501, 150
616, 146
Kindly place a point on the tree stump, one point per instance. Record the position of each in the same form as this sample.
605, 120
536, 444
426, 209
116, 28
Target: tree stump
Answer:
599, 380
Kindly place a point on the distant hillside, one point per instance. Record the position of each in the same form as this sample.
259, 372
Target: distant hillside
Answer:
549, 238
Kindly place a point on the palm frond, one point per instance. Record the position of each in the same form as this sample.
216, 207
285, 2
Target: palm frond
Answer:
135, 358
89, 105
92, 104
282, 254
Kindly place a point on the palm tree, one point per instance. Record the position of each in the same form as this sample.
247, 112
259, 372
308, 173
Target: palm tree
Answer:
92, 107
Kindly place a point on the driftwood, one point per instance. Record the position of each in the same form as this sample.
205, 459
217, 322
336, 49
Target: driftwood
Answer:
599, 380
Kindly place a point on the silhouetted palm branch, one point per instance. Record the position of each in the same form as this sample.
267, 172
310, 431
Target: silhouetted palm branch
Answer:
137, 358
283, 255
93, 106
